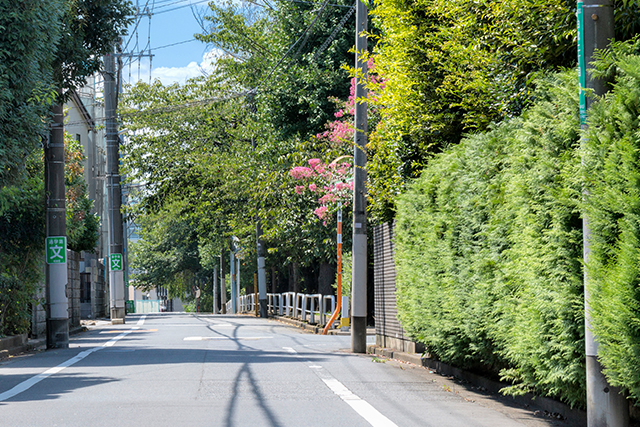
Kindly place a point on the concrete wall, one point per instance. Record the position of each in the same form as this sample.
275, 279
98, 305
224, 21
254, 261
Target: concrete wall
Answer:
99, 291
73, 287
39, 315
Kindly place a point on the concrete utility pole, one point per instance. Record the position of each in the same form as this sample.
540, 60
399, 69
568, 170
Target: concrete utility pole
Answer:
606, 406
223, 285
233, 282
56, 240
262, 275
214, 308
359, 251
238, 284
114, 195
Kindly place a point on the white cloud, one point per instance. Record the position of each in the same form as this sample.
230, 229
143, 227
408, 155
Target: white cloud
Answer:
170, 75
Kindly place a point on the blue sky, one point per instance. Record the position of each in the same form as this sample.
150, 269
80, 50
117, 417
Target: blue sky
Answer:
171, 21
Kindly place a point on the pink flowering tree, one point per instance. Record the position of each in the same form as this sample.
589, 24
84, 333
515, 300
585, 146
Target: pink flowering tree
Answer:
331, 184
339, 133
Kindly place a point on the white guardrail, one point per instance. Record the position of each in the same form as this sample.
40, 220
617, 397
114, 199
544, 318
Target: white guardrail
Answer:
312, 308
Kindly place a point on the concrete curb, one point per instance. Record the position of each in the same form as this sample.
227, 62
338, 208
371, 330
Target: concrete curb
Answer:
574, 416
19, 344
306, 326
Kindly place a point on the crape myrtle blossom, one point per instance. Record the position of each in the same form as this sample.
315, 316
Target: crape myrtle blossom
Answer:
330, 182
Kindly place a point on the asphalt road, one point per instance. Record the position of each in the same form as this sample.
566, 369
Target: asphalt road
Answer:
186, 370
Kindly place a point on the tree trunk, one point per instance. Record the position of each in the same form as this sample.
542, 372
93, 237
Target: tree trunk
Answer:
326, 277
294, 277
274, 278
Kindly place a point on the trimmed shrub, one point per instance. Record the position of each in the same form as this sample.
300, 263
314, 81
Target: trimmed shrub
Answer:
489, 246
612, 174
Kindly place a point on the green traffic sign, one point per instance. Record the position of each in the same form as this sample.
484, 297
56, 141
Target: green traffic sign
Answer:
116, 262
56, 250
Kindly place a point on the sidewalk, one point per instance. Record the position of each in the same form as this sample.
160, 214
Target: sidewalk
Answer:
315, 329
543, 407
19, 344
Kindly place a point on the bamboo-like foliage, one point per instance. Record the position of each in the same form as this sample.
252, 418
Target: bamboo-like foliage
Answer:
612, 159
488, 250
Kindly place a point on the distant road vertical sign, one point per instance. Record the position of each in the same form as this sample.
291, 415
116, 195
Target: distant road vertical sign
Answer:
116, 262
56, 249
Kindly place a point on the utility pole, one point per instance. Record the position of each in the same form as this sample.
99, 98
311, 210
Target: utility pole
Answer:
223, 285
238, 285
359, 250
214, 308
56, 239
114, 195
606, 406
262, 276
233, 281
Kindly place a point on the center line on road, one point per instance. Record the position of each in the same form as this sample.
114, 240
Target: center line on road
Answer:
363, 408
26, 385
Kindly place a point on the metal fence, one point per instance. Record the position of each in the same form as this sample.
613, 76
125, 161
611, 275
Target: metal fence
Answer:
147, 306
312, 308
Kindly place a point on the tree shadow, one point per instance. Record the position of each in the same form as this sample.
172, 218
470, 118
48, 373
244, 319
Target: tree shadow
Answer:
56, 386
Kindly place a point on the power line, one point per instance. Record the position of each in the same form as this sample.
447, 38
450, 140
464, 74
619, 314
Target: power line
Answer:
173, 44
333, 35
302, 36
189, 104
180, 7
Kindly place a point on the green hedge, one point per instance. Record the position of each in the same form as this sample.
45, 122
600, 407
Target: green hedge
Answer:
489, 246
489, 241
22, 236
612, 158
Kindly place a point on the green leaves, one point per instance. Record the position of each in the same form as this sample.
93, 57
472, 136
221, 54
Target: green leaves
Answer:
82, 226
613, 207
22, 235
88, 29
488, 249
27, 44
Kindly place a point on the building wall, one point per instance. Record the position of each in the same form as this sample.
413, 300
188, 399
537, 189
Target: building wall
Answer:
91, 135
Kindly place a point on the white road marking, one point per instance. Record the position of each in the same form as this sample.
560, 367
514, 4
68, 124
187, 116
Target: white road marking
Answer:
215, 323
363, 408
223, 338
26, 385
